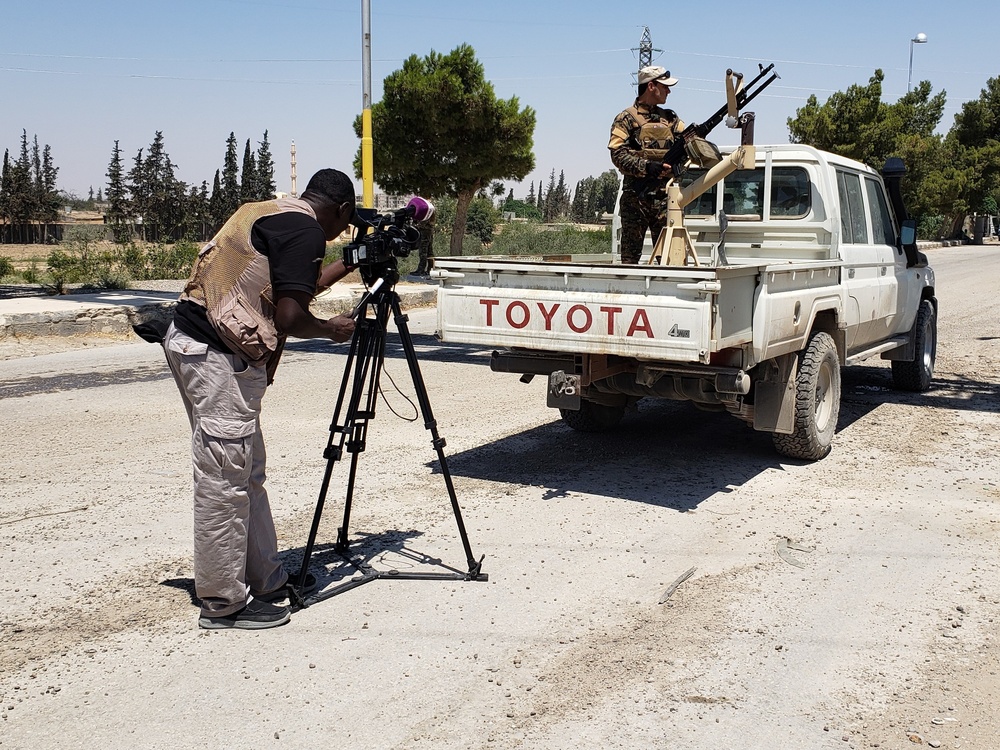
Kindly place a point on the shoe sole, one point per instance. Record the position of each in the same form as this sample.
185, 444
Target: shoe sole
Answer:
207, 623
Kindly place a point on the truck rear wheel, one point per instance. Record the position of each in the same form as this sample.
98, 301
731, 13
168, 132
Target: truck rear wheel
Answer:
916, 375
593, 417
817, 401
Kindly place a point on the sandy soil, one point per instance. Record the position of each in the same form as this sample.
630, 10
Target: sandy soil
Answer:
849, 603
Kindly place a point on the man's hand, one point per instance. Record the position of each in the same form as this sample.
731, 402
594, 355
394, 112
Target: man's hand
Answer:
340, 328
293, 318
654, 169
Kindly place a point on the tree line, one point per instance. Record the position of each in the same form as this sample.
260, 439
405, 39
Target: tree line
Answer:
150, 203
592, 198
142, 200
29, 199
948, 176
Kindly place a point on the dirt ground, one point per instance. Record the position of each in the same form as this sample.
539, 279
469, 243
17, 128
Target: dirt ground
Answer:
848, 603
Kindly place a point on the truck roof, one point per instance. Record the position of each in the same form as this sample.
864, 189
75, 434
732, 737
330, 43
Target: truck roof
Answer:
800, 152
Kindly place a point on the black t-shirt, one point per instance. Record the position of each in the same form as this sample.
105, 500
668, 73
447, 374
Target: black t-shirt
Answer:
295, 246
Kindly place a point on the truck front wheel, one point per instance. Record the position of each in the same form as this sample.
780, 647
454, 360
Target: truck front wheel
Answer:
817, 401
916, 375
592, 417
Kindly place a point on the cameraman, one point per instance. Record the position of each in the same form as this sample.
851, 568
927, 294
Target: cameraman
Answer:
250, 287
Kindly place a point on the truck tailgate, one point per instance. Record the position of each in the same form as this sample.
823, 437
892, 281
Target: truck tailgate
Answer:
646, 312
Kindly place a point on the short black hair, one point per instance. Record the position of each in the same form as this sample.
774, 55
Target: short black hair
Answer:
332, 186
642, 88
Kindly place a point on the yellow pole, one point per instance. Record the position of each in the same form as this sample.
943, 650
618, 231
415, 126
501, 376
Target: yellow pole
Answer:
367, 158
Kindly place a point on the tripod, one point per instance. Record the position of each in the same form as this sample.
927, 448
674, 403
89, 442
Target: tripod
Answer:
362, 373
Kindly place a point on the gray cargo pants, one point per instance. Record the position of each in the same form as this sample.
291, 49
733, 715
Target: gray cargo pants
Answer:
235, 545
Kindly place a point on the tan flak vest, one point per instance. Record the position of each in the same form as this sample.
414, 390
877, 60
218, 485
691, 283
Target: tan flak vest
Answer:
232, 281
655, 136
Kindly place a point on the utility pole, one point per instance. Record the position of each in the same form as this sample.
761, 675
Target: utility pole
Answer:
367, 160
294, 189
645, 49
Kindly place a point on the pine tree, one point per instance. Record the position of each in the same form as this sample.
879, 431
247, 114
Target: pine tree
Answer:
581, 200
49, 192
551, 198
5, 188
530, 200
230, 181
216, 204
265, 171
138, 193
248, 183
117, 215
20, 188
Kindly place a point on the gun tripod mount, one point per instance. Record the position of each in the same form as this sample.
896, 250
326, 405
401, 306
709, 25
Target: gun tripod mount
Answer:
361, 376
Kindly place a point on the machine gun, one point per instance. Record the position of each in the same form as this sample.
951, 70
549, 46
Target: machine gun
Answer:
674, 241
692, 145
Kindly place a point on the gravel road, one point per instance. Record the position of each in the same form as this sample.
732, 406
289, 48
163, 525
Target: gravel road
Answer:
849, 603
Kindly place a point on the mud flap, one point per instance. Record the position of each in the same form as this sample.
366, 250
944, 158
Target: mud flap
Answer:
774, 395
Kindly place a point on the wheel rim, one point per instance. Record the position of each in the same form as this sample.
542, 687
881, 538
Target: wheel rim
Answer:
928, 353
824, 396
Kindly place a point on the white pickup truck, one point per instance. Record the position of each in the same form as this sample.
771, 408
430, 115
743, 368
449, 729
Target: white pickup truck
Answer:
795, 266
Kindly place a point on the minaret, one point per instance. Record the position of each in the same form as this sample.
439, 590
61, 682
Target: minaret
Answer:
294, 189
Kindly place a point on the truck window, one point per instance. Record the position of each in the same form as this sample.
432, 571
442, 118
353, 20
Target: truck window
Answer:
882, 227
704, 204
743, 192
853, 226
791, 192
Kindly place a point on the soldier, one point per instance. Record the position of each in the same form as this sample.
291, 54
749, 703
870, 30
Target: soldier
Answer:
426, 249
640, 137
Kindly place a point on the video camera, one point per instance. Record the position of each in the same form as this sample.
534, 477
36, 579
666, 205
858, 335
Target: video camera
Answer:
379, 239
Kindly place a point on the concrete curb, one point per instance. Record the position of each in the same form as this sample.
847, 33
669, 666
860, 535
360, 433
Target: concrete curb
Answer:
95, 315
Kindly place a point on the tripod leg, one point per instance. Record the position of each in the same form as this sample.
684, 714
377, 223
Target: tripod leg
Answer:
367, 346
430, 424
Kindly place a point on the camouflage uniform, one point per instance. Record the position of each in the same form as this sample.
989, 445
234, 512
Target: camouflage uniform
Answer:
643, 203
426, 247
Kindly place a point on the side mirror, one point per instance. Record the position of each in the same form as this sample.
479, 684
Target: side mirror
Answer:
908, 232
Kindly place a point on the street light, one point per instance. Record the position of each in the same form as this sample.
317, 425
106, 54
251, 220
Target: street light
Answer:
920, 38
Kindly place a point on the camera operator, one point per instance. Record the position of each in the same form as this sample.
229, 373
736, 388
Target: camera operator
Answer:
250, 287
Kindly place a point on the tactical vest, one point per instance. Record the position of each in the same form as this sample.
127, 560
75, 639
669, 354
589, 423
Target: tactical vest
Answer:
655, 134
232, 281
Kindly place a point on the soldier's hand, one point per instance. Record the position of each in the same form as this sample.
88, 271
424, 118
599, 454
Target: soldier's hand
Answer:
340, 328
654, 169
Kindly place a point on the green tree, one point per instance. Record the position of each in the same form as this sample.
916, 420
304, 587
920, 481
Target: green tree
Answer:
216, 203
857, 124
605, 194
441, 130
248, 181
5, 187
521, 209
265, 171
482, 220
118, 212
230, 193
972, 148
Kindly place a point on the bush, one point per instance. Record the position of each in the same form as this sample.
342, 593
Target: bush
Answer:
519, 238
83, 259
6, 266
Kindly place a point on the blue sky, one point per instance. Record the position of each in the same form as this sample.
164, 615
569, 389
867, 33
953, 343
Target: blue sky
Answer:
81, 75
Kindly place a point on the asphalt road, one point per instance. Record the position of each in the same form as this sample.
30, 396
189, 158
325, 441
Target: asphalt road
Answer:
852, 602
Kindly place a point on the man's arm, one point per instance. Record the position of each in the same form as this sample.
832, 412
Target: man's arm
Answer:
623, 155
331, 274
293, 318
